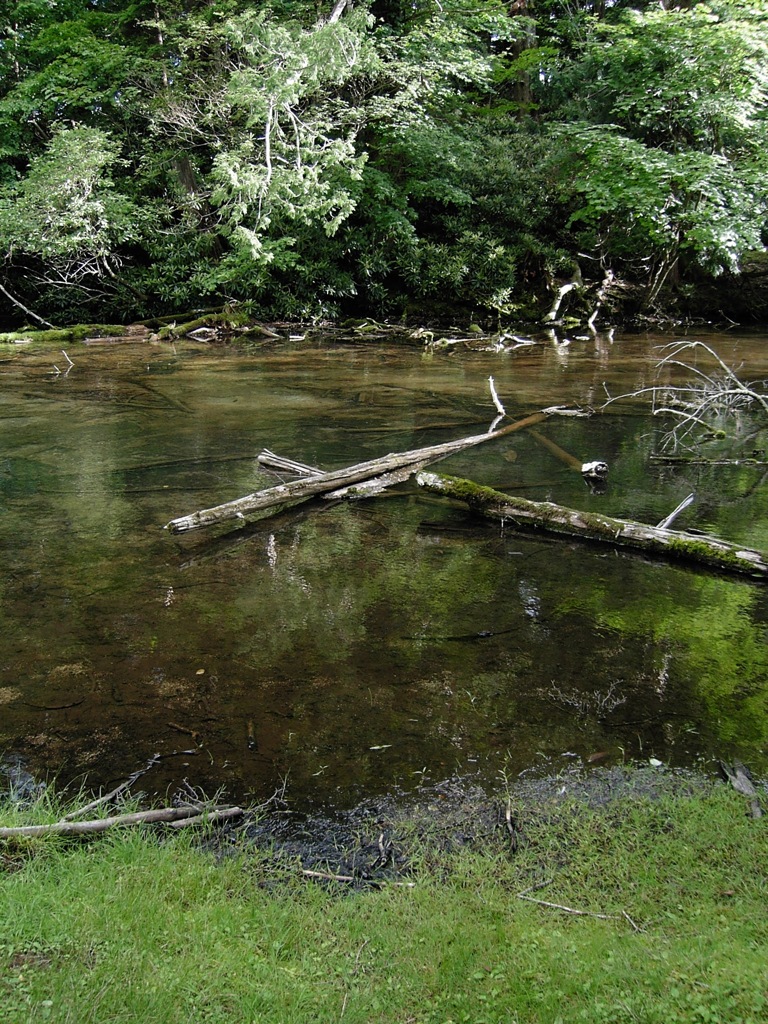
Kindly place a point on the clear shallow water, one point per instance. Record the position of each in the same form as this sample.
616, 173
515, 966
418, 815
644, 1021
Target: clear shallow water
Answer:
355, 648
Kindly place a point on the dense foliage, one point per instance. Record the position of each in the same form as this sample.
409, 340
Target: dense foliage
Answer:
393, 157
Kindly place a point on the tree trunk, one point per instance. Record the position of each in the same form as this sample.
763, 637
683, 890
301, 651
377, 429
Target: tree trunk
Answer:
592, 526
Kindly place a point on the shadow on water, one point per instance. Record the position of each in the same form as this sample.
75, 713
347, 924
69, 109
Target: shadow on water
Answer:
356, 648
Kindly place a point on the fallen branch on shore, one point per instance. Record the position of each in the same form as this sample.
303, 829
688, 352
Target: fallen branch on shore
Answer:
176, 816
323, 483
556, 519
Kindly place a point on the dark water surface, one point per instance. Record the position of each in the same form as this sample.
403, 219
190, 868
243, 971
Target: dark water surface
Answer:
353, 648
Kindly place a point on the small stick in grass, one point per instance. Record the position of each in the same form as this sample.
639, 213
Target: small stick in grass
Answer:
569, 910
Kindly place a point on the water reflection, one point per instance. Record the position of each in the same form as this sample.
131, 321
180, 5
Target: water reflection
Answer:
354, 647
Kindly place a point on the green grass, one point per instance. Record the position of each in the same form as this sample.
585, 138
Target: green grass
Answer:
137, 927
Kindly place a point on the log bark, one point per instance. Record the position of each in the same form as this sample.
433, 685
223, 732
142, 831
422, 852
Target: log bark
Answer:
308, 487
556, 519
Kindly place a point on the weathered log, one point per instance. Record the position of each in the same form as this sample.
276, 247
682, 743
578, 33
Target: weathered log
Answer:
189, 815
592, 526
66, 335
298, 490
376, 484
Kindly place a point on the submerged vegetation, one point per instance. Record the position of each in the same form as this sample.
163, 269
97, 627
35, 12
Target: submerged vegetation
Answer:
403, 159
620, 896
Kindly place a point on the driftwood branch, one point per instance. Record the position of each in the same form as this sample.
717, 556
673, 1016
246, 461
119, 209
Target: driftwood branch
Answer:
308, 487
377, 484
706, 400
668, 520
560, 293
546, 516
495, 396
191, 815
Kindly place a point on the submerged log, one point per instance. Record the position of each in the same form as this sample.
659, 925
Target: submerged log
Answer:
308, 487
592, 526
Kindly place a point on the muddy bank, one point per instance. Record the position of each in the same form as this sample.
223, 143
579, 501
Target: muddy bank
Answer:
385, 839
382, 840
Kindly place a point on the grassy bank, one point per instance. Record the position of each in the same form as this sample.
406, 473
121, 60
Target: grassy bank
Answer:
137, 926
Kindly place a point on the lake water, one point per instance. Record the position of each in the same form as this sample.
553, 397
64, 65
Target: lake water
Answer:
354, 648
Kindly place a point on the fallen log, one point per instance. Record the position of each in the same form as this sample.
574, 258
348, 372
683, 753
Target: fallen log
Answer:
309, 486
592, 526
173, 815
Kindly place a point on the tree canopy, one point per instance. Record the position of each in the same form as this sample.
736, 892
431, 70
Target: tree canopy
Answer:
387, 157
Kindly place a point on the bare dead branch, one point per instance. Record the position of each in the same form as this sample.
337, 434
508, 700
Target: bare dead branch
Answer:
115, 792
298, 490
703, 401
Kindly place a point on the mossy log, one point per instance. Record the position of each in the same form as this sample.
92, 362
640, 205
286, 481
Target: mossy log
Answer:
67, 335
212, 325
308, 487
592, 526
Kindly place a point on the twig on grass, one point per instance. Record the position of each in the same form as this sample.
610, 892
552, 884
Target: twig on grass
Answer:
328, 876
635, 926
309, 873
538, 885
569, 910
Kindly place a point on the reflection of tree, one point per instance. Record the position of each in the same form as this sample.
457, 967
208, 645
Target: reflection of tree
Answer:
361, 625
720, 657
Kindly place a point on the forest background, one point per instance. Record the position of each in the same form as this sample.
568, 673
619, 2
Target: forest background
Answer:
410, 159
